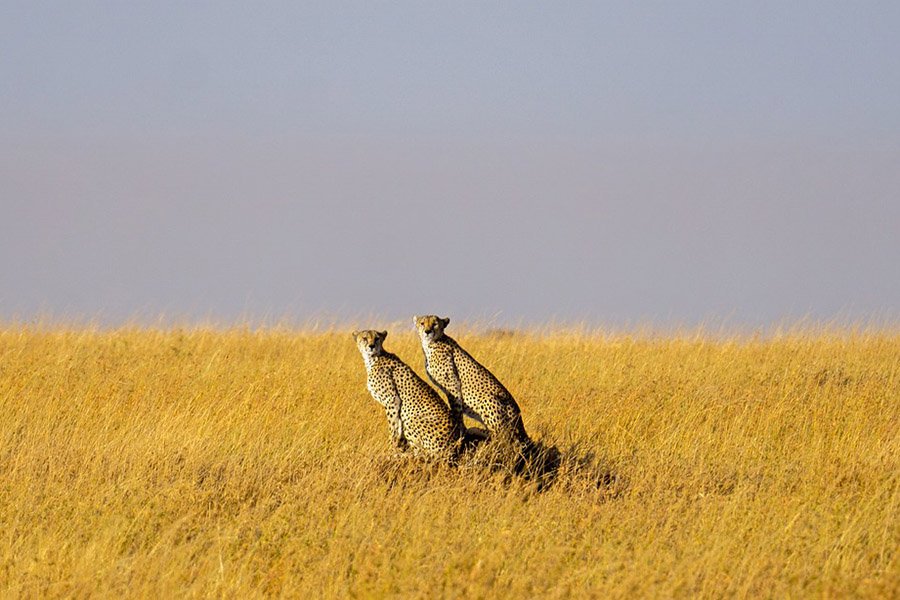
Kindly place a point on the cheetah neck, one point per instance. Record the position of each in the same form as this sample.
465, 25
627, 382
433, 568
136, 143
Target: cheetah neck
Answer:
385, 358
430, 347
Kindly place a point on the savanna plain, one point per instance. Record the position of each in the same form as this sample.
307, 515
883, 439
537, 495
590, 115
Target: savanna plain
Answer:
199, 461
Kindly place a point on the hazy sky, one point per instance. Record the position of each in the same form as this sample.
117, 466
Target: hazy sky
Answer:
612, 162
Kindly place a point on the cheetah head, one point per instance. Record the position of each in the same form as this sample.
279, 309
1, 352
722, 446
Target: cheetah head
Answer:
430, 327
369, 342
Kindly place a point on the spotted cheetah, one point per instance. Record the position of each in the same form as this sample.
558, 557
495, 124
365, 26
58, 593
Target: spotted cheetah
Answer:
471, 389
417, 416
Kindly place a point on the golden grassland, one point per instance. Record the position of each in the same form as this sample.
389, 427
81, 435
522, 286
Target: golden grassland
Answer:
241, 463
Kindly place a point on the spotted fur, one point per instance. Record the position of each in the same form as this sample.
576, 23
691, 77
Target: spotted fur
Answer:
417, 417
471, 389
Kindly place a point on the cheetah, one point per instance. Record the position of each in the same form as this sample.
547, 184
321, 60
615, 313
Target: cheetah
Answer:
471, 389
417, 416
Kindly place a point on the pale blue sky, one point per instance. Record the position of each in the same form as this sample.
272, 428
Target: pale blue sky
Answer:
609, 162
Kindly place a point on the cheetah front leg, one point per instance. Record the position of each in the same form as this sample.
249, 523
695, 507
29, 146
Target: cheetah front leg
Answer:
456, 412
454, 399
395, 422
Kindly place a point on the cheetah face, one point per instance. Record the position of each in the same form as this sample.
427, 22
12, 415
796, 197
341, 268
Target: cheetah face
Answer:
369, 342
430, 327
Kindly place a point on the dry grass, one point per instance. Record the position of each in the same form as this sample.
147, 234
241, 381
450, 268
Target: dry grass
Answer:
236, 463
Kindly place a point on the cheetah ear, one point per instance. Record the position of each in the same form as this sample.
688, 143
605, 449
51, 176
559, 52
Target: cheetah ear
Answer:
445, 321
415, 319
382, 334
355, 334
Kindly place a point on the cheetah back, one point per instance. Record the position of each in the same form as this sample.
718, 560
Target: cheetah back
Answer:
426, 422
453, 368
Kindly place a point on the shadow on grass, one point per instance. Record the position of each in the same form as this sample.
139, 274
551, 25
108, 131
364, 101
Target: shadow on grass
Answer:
488, 462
